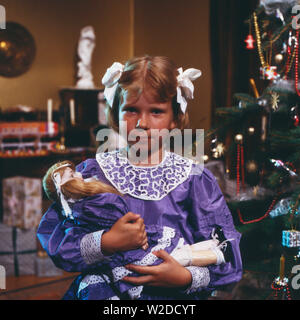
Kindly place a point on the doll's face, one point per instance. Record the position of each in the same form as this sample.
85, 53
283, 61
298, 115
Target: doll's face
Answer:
70, 174
144, 115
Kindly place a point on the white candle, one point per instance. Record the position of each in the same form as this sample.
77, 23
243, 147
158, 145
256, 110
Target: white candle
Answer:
49, 110
72, 112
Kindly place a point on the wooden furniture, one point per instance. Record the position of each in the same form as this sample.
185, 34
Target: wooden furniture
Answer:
88, 114
30, 287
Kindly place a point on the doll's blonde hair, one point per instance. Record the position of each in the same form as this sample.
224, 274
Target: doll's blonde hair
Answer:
74, 188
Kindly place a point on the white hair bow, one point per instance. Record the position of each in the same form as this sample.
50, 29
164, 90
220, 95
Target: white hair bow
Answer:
185, 88
110, 81
58, 182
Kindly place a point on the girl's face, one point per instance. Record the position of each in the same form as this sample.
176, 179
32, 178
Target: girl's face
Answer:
70, 174
145, 114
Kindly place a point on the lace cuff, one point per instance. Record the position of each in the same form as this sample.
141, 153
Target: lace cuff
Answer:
90, 247
200, 278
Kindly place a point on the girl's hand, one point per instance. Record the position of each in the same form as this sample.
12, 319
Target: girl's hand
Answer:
168, 274
127, 233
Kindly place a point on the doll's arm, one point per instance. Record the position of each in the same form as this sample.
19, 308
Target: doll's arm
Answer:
71, 247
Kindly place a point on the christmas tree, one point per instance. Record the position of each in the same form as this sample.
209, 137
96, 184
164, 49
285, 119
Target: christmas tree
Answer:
259, 138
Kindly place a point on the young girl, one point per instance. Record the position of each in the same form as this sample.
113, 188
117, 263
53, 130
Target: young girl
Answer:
95, 207
148, 94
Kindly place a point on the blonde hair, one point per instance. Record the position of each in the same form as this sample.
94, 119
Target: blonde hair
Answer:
156, 75
73, 188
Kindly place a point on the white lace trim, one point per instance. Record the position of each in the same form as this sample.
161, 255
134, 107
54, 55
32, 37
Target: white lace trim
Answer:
147, 183
200, 276
168, 233
149, 259
135, 292
92, 279
90, 247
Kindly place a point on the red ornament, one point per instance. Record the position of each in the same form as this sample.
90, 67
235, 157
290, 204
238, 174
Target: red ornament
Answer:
250, 42
296, 120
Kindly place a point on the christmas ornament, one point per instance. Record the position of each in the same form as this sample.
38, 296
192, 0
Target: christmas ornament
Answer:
281, 286
258, 40
295, 115
263, 102
269, 73
291, 238
254, 88
296, 63
271, 6
280, 164
251, 166
278, 58
219, 150
258, 219
274, 101
250, 42
282, 207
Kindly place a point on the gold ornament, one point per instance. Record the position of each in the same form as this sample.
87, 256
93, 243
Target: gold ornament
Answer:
274, 101
278, 58
251, 166
219, 150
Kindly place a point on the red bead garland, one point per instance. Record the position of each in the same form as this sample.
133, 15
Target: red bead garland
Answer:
258, 219
240, 159
240, 163
296, 62
278, 285
238, 169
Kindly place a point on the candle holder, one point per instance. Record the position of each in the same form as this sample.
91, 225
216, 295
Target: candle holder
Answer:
281, 285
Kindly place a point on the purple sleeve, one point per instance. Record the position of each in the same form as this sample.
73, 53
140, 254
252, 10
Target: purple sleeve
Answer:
89, 168
209, 210
75, 245
71, 247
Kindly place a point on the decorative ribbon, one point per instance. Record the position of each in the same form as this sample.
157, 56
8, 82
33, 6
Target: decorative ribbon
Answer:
185, 88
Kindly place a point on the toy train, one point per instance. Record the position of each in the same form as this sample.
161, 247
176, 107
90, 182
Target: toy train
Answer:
27, 138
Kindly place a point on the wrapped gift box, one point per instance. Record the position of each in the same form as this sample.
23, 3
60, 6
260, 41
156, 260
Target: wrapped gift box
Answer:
291, 238
44, 266
22, 202
18, 249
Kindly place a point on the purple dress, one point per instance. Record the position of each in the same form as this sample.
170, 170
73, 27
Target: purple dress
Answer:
178, 202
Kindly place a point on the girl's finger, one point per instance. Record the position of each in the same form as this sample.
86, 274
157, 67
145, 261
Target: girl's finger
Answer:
145, 235
163, 255
145, 246
142, 269
138, 280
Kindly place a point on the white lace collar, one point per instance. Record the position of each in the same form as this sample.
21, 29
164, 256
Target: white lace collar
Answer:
147, 183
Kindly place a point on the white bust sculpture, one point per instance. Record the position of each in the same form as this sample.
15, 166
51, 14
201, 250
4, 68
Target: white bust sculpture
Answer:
85, 50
